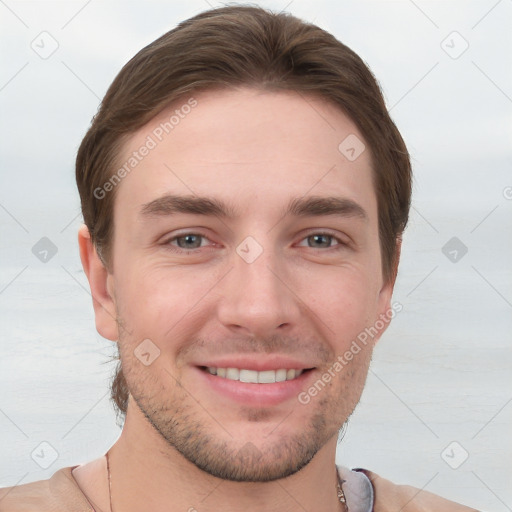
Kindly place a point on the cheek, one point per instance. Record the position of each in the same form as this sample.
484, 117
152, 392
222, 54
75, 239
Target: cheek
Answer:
155, 299
160, 301
347, 305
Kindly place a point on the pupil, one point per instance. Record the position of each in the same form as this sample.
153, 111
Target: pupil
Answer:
187, 239
318, 238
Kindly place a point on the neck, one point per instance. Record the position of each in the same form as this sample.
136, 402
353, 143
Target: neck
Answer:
148, 474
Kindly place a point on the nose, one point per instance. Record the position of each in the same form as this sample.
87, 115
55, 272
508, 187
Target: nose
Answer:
258, 297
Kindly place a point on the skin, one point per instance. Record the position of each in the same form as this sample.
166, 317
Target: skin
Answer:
184, 445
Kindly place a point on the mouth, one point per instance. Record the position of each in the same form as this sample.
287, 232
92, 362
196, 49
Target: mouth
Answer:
248, 387
254, 376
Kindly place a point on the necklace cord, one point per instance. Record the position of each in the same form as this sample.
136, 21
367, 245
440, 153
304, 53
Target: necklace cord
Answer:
109, 484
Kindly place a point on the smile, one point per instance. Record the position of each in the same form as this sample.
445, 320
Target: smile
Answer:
253, 376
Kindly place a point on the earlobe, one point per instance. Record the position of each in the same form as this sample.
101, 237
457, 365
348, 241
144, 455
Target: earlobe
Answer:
385, 309
398, 252
100, 283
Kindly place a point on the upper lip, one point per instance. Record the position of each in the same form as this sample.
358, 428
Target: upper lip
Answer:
259, 364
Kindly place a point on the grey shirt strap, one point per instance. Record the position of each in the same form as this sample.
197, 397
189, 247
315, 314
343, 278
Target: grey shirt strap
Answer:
357, 488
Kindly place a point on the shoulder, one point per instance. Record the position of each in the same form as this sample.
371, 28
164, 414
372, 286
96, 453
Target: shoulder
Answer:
60, 493
390, 497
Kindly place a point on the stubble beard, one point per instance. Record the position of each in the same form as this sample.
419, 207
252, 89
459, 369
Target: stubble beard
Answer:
208, 445
221, 454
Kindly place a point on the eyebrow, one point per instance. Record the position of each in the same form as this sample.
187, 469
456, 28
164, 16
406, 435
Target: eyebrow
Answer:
312, 206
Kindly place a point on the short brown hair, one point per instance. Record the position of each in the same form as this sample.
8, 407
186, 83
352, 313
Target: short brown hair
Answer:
231, 47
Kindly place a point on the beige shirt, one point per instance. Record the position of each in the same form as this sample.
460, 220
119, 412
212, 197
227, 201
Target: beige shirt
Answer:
61, 493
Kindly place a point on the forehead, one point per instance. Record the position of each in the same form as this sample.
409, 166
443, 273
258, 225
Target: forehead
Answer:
248, 146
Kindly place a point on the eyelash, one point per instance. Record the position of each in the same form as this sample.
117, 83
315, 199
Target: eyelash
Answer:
173, 248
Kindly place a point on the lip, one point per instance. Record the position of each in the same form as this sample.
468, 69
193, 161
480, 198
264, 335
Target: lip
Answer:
249, 394
268, 362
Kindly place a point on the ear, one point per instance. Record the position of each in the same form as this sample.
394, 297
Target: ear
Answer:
100, 282
385, 311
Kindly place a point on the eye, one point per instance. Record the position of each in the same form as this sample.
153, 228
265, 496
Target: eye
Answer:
322, 241
186, 241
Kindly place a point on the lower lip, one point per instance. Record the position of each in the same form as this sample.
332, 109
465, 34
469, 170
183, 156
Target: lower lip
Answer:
261, 395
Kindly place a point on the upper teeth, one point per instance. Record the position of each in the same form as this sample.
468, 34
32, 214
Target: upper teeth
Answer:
264, 377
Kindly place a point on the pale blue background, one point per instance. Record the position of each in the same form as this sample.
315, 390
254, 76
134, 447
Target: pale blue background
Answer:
441, 373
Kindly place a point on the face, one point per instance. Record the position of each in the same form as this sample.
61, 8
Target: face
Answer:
246, 252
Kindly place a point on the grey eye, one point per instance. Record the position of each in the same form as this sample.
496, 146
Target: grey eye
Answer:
189, 241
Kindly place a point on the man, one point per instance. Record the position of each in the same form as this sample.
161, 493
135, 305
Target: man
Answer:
244, 192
